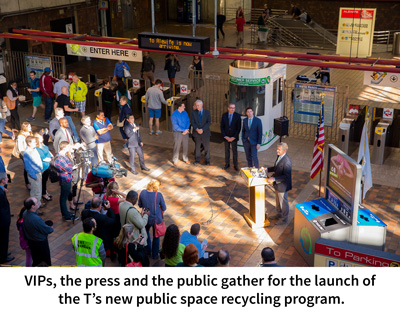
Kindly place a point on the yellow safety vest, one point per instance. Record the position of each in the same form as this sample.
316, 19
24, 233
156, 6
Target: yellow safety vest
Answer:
86, 248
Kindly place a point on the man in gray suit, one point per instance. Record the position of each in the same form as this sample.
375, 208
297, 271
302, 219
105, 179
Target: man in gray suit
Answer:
135, 144
201, 121
62, 134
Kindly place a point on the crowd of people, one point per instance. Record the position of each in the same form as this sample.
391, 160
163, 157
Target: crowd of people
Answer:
112, 224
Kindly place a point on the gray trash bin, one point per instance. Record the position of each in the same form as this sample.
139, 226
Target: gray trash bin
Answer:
396, 44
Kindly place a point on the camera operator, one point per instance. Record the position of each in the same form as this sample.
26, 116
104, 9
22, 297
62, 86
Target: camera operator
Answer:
105, 222
63, 164
96, 183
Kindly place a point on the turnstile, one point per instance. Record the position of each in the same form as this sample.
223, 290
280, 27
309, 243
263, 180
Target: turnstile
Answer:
380, 150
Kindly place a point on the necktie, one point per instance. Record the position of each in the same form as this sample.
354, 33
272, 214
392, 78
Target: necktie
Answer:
250, 122
200, 114
278, 159
230, 119
66, 132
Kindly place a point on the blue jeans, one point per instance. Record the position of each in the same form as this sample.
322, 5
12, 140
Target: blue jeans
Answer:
48, 109
71, 124
3, 129
65, 190
155, 247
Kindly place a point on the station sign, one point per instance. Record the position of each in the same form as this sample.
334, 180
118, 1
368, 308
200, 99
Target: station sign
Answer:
104, 52
355, 32
178, 43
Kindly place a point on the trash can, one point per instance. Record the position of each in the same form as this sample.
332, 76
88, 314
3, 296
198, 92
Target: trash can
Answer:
379, 151
396, 44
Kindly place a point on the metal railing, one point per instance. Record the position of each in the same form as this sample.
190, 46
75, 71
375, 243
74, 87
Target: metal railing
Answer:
15, 67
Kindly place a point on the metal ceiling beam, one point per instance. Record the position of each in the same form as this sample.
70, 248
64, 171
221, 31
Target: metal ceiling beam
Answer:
283, 57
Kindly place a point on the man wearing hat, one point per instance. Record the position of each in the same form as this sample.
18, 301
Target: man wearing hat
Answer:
46, 87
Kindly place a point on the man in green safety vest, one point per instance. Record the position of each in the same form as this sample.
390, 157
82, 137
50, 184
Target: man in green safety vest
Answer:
89, 249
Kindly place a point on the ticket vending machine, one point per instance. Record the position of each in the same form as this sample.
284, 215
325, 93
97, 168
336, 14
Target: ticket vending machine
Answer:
258, 85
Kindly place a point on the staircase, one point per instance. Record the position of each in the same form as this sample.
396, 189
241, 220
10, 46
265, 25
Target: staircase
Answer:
285, 31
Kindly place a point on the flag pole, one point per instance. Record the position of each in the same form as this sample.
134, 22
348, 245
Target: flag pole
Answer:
322, 159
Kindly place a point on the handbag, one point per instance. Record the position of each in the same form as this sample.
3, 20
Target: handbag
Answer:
10, 104
15, 151
132, 263
127, 74
120, 123
178, 66
159, 229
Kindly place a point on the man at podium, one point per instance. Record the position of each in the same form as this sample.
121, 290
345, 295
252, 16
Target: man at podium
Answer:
282, 181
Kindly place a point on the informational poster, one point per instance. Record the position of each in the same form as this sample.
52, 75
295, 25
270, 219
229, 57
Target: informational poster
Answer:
342, 175
307, 103
376, 78
355, 32
37, 64
104, 52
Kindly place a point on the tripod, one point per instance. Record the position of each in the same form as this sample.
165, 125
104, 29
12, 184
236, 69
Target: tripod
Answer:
82, 174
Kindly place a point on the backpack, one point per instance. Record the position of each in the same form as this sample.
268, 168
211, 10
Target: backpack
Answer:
53, 173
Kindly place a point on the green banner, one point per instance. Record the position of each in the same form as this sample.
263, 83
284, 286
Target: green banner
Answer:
249, 82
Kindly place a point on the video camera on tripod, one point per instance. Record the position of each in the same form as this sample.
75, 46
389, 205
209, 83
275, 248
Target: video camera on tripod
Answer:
106, 171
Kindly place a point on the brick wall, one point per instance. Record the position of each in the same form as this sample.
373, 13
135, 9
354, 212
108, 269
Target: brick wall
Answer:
40, 20
326, 12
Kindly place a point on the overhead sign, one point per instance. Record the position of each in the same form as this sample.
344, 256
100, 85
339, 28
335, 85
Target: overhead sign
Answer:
376, 78
170, 42
307, 103
355, 32
104, 52
249, 82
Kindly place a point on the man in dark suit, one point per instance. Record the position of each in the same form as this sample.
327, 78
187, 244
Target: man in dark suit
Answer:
282, 182
105, 222
231, 124
135, 144
201, 121
5, 220
251, 137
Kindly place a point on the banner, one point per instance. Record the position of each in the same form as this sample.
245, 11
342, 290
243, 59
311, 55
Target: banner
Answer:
355, 32
104, 52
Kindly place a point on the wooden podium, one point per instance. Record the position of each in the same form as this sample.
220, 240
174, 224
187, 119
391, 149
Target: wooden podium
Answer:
256, 216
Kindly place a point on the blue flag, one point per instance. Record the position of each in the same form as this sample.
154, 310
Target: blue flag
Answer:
363, 152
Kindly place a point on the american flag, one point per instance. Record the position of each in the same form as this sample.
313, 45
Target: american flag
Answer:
318, 154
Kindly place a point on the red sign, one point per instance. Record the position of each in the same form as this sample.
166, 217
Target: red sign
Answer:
355, 14
356, 257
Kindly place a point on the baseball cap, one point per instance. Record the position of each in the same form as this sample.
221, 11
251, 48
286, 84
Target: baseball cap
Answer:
47, 69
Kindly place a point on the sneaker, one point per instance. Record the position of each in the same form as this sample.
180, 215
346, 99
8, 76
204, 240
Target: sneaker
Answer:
30, 118
158, 132
125, 146
47, 121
